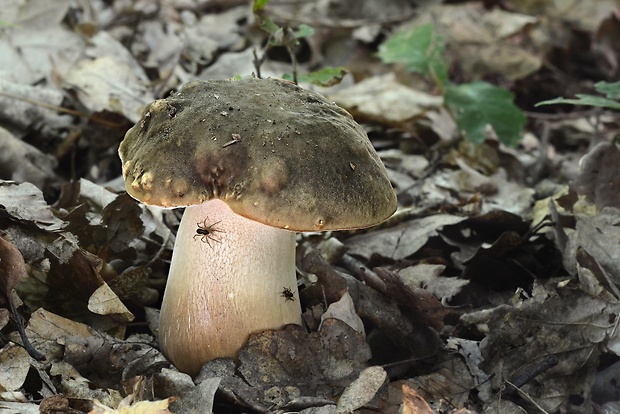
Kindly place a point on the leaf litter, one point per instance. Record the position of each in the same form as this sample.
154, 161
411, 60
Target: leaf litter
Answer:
494, 288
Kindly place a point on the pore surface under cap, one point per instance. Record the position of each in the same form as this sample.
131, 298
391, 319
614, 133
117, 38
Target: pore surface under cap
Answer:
274, 152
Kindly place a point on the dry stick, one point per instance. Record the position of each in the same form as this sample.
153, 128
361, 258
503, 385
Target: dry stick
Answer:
561, 117
527, 373
235, 138
337, 24
527, 397
541, 161
19, 321
257, 62
360, 271
59, 109
291, 53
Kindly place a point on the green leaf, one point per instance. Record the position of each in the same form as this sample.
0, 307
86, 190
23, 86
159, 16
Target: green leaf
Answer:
325, 77
419, 49
589, 100
478, 104
269, 26
611, 90
303, 31
259, 5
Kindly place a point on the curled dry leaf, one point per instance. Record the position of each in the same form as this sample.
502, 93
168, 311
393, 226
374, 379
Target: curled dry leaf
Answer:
104, 301
25, 202
74, 272
28, 106
344, 310
413, 403
599, 236
190, 397
599, 176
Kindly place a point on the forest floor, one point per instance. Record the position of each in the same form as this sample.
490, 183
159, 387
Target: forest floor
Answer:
495, 287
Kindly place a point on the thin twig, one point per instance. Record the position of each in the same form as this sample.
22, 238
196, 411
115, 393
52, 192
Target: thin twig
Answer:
336, 24
561, 117
235, 138
541, 160
19, 321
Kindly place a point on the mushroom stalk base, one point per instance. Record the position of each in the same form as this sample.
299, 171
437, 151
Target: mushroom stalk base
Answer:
225, 285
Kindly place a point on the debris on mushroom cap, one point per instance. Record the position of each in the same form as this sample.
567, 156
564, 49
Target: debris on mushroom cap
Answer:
273, 151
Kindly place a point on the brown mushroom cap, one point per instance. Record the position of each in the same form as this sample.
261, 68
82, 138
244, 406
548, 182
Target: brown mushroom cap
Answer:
273, 151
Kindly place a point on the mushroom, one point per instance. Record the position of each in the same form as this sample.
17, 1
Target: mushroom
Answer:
253, 161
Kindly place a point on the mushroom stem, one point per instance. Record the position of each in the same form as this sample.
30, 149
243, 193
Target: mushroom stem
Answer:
225, 285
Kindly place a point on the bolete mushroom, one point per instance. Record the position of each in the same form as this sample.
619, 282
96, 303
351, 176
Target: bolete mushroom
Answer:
253, 161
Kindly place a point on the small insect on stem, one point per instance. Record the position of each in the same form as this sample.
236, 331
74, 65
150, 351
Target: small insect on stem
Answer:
287, 294
206, 232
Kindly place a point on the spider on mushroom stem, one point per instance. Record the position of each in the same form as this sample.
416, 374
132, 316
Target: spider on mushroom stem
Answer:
287, 294
206, 232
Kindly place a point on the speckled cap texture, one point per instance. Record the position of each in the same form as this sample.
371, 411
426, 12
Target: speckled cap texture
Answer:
273, 151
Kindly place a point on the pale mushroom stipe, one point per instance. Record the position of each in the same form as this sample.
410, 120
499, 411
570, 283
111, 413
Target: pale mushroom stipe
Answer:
207, 232
253, 161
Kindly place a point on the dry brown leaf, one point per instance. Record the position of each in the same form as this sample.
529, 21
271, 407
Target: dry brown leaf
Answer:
599, 236
599, 176
428, 276
15, 363
400, 241
344, 310
28, 106
413, 403
585, 16
104, 301
548, 345
382, 99
22, 162
97, 86
361, 392
33, 24
142, 407
25, 202
486, 42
